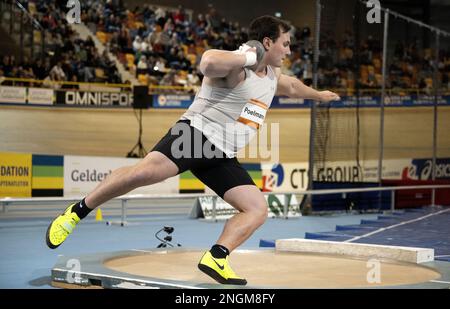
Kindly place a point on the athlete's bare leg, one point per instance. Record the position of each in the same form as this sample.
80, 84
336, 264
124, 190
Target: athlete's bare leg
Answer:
154, 168
253, 209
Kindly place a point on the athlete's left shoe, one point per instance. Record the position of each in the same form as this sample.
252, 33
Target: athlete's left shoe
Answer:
61, 227
219, 270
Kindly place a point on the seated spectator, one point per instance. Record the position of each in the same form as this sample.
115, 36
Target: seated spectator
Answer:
193, 79
168, 79
160, 65
142, 66
137, 44
71, 85
179, 16
6, 65
57, 73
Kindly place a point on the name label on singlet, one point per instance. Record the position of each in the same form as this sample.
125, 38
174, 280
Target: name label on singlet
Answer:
253, 113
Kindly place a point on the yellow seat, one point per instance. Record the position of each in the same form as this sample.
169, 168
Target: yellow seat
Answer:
138, 25
37, 37
377, 63
101, 36
108, 37
130, 60
132, 69
185, 48
100, 73
199, 50
32, 8
379, 78
192, 58
143, 79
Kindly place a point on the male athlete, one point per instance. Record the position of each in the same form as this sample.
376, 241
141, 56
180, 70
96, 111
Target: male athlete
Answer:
236, 92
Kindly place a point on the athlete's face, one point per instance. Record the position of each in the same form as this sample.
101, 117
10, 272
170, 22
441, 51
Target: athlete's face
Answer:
277, 51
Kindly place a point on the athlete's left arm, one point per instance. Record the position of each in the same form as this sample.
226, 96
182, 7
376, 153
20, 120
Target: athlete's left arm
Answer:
292, 87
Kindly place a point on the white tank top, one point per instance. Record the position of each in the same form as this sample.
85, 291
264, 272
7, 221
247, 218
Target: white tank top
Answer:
230, 117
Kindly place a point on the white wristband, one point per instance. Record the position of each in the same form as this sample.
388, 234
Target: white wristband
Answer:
250, 57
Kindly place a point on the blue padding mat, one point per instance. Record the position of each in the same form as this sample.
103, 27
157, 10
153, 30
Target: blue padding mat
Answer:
429, 228
267, 243
361, 201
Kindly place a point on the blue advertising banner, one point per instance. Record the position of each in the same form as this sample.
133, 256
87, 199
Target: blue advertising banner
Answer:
366, 101
18, 95
284, 102
172, 101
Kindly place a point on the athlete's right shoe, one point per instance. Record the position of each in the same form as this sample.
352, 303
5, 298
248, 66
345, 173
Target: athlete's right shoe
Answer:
219, 270
61, 227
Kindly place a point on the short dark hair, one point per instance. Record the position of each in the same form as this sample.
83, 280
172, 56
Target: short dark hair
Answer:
267, 26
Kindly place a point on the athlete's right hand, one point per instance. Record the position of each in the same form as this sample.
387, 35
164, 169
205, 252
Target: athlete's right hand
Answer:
249, 53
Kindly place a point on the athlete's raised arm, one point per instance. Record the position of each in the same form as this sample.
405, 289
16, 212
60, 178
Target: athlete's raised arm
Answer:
292, 87
220, 63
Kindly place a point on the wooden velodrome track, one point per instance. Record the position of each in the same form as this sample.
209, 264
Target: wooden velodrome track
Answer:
113, 132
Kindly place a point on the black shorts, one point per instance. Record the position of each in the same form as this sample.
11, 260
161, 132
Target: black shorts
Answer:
219, 172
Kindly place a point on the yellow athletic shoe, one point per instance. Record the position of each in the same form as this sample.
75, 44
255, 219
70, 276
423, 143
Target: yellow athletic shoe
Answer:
61, 227
219, 270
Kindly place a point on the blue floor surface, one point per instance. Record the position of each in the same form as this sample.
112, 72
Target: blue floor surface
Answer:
26, 262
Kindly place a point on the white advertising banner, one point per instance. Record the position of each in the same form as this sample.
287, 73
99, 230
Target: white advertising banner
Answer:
367, 171
13, 94
203, 207
288, 177
40, 96
83, 174
293, 177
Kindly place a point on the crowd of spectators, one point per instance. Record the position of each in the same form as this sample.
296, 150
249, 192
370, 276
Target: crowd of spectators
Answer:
343, 65
165, 43
163, 46
66, 57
